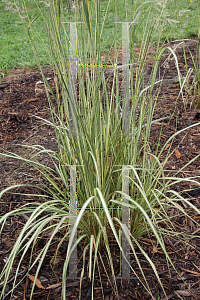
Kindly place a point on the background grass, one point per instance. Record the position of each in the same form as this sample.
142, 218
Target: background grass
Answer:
16, 51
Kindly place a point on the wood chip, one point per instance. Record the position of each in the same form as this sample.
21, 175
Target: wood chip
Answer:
53, 286
178, 154
159, 123
168, 297
183, 293
153, 250
38, 282
32, 99
192, 272
197, 134
167, 147
39, 82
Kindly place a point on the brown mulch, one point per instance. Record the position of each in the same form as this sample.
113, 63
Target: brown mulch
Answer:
22, 95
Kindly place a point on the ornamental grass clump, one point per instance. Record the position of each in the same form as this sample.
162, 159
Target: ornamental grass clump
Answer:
110, 165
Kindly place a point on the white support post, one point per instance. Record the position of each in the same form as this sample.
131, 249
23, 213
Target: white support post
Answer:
73, 79
72, 220
125, 78
125, 220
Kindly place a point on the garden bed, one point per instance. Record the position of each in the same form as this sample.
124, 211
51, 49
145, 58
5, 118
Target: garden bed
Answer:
22, 94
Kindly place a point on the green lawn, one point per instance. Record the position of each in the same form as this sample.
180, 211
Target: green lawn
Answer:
16, 52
